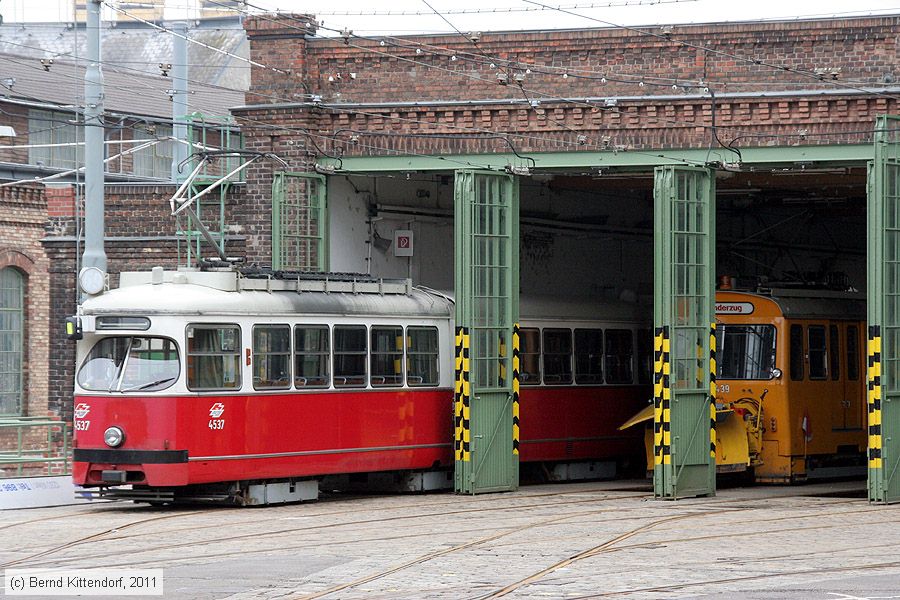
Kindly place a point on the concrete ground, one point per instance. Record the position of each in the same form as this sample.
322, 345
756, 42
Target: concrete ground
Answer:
585, 540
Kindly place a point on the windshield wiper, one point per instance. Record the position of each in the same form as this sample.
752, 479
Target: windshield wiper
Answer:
144, 386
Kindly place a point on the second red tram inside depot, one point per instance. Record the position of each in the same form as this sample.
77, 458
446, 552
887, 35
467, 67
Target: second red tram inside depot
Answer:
209, 385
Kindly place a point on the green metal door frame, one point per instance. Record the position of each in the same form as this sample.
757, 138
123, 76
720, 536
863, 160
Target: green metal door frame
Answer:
684, 358
883, 373
299, 222
486, 232
12, 340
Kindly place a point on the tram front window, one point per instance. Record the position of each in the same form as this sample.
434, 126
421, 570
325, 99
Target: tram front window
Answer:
745, 351
130, 364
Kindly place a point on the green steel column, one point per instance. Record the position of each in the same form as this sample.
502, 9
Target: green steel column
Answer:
883, 373
486, 270
684, 269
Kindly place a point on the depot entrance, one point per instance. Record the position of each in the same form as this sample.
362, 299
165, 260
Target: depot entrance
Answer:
634, 230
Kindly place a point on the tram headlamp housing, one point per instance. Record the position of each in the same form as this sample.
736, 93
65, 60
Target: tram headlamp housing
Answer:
114, 436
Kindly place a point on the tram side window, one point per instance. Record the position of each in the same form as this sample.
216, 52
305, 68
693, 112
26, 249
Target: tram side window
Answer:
797, 352
349, 356
853, 352
271, 357
588, 356
422, 356
834, 343
818, 356
645, 356
387, 356
557, 356
311, 356
213, 357
530, 356
619, 354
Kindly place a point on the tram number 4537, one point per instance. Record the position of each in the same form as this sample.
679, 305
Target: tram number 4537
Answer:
217, 423
82, 425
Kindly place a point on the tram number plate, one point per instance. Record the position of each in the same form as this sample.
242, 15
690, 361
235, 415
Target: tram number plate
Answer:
217, 423
724, 388
82, 425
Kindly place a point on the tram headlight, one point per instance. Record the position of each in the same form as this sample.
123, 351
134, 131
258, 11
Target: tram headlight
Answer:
114, 436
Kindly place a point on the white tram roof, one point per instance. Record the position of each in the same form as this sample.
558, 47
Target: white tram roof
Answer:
226, 293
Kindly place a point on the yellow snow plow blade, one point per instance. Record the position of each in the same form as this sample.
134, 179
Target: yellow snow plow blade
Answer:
644, 415
732, 444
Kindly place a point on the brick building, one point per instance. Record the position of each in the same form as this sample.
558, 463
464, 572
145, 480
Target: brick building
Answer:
42, 211
782, 111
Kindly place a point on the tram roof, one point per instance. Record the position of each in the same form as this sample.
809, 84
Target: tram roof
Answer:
221, 294
193, 299
814, 304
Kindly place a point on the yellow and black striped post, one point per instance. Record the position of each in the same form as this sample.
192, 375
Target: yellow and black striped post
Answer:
461, 396
874, 397
712, 391
515, 388
457, 397
662, 395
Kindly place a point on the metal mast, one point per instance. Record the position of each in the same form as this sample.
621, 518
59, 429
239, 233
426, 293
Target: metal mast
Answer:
92, 277
179, 97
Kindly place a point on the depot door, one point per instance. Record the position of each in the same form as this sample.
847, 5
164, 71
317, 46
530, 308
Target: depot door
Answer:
883, 348
684, 385
487, 308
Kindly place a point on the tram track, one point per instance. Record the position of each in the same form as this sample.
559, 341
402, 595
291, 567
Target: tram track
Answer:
286, 531
690, 584
763, 532
118, 508
612, 546
89, 538
609, 546
47, 518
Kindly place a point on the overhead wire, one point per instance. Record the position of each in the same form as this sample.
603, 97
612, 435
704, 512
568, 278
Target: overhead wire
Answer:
306, 132
590, 105
700, 47
190, 40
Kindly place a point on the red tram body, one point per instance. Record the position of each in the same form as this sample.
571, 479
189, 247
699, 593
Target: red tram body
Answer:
209, 385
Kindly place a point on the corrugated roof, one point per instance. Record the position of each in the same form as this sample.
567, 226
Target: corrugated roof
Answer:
138, 47
126, 91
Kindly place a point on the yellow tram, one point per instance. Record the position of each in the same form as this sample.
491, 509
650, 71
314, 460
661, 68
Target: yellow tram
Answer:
790, 385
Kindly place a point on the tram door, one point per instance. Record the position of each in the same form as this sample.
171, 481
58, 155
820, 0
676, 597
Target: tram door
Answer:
854, 382
848, 416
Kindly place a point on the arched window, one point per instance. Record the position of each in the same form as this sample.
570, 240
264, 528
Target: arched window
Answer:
12, 333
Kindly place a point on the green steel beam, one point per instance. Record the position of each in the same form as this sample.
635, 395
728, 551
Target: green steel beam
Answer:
784, 156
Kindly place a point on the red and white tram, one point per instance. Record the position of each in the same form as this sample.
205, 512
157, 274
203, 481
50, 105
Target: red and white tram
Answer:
211, 385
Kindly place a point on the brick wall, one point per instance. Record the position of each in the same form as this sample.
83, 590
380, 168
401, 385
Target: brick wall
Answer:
759, 72
422, 67
140, 234
23, 213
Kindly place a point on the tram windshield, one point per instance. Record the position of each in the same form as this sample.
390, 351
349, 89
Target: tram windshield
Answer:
130, 364
745, 351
